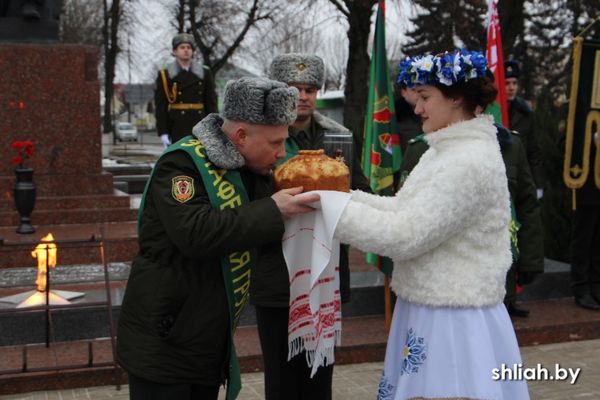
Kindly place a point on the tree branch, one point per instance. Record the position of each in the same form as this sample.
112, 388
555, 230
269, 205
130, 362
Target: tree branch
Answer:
204, 49
249, 22
340, 7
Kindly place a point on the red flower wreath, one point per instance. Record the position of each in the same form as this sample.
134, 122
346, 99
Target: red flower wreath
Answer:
24, 149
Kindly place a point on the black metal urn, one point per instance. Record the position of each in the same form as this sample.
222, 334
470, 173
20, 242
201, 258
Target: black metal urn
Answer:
24, 194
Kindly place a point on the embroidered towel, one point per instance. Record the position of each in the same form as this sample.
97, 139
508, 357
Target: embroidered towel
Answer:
312, 257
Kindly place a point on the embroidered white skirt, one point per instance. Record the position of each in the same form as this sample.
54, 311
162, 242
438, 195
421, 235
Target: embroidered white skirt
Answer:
441, 352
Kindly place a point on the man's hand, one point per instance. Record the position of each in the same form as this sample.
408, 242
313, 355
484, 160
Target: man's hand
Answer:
164, 138
289, 204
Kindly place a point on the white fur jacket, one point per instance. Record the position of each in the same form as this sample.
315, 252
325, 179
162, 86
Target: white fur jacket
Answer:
447, 228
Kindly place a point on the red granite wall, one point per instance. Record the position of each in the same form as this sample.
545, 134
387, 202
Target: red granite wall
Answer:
50, 94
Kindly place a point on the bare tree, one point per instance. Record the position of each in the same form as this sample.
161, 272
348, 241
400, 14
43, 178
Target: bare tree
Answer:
512, 24
219, 27
177, 11
118, 18
295, 31
335, 57
81, 22
358, 13
110, 28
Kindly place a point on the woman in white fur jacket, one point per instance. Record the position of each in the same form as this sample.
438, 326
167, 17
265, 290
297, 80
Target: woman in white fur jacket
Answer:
447, 231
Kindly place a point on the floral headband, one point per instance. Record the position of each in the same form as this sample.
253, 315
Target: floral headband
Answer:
446, 68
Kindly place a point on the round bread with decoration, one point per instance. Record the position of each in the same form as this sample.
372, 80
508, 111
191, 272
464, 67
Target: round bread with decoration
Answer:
312, 170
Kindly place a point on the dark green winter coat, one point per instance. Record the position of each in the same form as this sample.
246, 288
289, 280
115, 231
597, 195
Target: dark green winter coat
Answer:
523, 194
521, 120
174, 321
270, 285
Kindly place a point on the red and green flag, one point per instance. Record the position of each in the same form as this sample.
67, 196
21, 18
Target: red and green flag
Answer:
381, 155
495, 59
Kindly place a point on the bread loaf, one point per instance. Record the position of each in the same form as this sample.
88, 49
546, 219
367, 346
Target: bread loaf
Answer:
312, 170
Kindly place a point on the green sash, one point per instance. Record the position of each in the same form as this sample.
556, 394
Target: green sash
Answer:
225, 190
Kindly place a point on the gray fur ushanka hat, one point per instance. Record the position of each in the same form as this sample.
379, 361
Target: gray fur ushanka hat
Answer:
298, 68
260, 101
183, 38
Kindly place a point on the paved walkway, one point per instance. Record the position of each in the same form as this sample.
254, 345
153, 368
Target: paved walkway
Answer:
360, 381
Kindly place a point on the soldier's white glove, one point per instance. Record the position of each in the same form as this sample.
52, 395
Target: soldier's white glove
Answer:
596, 138
539, 193
164, 138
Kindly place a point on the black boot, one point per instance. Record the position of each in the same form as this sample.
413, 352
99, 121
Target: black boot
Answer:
515, 311
587, 301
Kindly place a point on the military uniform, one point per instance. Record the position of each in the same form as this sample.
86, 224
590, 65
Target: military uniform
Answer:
270, 287
270, 293
203, 218
585, 238
180, 98
530, 236
521, 120
174, 320
522, 190
409, 124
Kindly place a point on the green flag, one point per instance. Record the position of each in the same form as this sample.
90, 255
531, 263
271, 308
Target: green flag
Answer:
381, 155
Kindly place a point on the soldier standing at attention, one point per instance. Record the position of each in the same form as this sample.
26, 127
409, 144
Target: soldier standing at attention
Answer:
180, 92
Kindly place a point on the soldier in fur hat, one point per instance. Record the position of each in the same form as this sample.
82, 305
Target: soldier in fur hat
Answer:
180, 92
270, 283
206, 211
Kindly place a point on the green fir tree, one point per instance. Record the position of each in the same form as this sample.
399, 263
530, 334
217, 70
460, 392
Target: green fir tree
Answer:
445, 25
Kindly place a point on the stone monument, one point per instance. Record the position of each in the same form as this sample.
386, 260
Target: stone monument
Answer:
49, 94
29, 21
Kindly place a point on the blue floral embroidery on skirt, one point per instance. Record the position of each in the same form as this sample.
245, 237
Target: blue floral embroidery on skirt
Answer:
386, 389
414, 353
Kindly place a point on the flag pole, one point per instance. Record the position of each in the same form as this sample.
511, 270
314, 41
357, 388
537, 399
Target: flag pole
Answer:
381, 155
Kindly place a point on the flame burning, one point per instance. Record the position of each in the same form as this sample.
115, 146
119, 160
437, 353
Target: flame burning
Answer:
45, 252
46, 257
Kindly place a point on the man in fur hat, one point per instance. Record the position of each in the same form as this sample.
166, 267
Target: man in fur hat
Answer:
206, 211
180, 92
270, 283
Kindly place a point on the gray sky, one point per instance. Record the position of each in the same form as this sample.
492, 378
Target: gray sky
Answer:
147, 47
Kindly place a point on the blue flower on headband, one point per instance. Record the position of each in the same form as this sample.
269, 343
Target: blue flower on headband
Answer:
405, 70
424, 66
447, 68
479, 62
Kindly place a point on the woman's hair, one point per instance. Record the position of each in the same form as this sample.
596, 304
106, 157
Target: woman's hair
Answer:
474, 92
